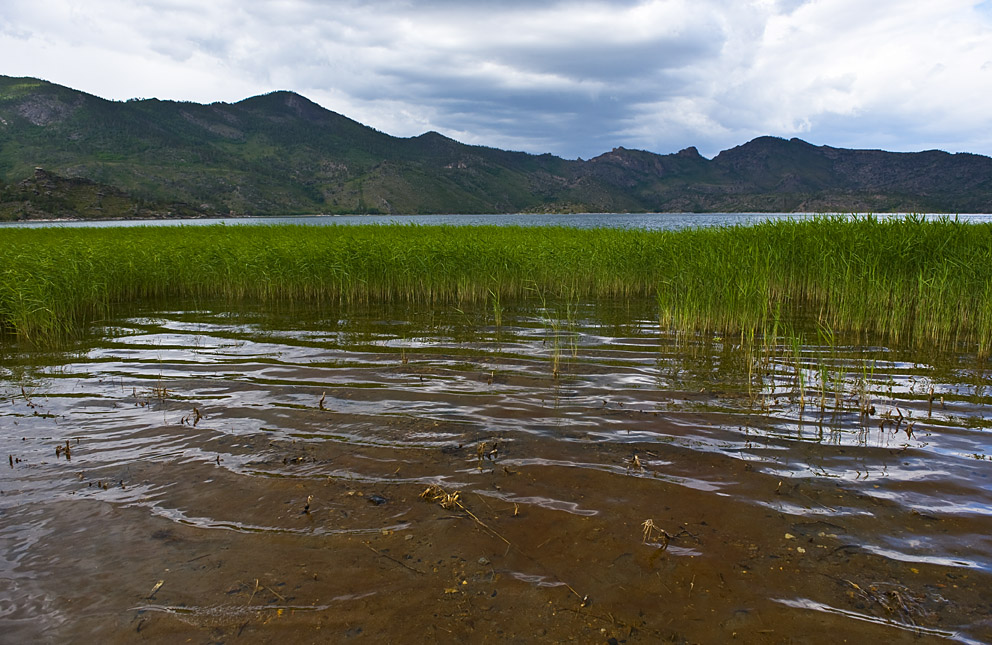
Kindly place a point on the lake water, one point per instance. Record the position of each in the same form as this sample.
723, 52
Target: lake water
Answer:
393, 474
646, 221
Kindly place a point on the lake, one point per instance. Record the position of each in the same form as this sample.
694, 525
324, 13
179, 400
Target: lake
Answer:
647, 221
567, 471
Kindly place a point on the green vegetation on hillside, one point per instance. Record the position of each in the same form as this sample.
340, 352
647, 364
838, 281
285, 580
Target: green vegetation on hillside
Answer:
49, 196
281, 154
910, 280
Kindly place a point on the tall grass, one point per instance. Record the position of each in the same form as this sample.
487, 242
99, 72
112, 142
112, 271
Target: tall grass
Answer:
911, 280
907, 280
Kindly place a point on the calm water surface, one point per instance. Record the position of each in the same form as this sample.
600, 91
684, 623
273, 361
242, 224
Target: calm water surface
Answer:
646, 221
259, 476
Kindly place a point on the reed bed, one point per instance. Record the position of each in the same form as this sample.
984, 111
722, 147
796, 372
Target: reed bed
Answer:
910, 280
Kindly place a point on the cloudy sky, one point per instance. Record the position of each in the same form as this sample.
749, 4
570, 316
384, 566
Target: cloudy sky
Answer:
572, 78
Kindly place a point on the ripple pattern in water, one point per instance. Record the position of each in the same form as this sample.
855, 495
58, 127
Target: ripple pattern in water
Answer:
199, 474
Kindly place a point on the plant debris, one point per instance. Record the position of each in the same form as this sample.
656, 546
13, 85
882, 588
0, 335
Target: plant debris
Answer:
451, 502
654, 534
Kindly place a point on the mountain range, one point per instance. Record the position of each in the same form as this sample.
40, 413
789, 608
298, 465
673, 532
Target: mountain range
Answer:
65, 153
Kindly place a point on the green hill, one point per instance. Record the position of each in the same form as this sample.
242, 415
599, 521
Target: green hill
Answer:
282, 154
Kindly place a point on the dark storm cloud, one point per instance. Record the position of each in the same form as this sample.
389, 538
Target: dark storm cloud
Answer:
572, 78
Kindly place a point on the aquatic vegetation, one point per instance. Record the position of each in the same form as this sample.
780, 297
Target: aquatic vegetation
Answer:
905, 280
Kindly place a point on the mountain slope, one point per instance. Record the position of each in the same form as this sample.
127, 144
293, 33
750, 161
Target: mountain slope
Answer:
281, 154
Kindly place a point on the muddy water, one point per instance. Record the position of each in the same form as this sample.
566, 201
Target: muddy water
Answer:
258, 477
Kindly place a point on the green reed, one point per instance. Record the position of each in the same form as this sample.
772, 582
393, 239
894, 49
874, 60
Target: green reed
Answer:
910, 280
905, 280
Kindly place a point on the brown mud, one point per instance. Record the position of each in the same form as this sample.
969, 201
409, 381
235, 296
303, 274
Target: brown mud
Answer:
259, 478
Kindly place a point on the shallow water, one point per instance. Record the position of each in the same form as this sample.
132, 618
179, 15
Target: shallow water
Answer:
258, 476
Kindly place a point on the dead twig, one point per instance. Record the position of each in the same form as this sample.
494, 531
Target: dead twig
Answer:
273, 592
389, 557
451, 501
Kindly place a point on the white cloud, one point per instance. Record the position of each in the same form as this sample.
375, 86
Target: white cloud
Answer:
574, 78
914, 64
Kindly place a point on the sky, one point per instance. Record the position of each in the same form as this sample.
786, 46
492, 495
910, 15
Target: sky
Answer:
575, 78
